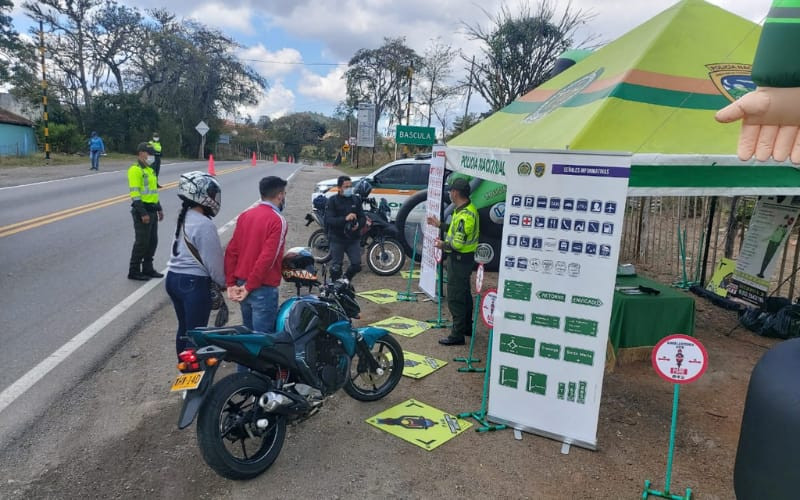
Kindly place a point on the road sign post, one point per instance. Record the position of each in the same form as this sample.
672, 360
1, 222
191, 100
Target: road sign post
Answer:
438, 322
487, 315
679, 359
420, 136
202, 129
483, 255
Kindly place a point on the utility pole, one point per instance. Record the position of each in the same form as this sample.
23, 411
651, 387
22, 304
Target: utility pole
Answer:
469, 94
410, 79
44, 97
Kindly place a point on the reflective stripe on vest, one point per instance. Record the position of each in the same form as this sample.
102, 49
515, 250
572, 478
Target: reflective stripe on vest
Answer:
142, 184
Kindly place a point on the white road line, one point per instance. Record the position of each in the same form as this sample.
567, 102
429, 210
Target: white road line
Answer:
38, 372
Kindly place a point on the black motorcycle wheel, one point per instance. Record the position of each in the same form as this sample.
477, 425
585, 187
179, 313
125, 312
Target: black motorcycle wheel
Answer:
371, 386
386, 259
409, 223
229, 439
320, 247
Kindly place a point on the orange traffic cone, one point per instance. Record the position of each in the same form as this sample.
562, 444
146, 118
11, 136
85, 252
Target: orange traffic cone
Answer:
253, 160
291, 159
274, 158
211, 170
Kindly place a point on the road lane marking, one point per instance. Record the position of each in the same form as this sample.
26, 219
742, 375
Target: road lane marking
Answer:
38, 372
42, 220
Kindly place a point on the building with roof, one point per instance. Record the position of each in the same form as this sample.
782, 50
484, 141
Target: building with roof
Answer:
17, 137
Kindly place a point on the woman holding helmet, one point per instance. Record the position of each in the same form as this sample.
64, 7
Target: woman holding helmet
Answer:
195, 266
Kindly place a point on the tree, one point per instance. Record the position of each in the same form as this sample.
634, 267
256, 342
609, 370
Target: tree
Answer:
114, 35
297, 130
435, 74
69, 46
518, 51
9, 41
378, 76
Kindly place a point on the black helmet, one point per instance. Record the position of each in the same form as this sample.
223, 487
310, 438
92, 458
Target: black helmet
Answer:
298, 266
362, 188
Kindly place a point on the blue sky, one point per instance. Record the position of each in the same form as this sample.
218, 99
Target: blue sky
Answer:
296, 44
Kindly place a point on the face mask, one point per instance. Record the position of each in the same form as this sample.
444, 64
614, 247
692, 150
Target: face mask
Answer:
348, 192
155, 139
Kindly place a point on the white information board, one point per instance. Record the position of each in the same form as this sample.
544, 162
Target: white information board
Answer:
366, 125
433, 207
561, 236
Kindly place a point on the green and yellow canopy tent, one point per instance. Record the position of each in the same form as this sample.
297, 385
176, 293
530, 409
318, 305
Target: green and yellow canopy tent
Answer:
652, 92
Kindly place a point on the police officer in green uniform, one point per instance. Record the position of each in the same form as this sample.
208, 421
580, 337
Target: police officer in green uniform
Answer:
459, 246
147, 212
155, 145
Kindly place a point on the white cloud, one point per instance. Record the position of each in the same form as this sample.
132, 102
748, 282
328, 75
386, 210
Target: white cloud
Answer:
224, 16
277, 101
330, 87
271, 64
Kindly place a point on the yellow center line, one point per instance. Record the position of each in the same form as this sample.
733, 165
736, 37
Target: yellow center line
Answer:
42, 220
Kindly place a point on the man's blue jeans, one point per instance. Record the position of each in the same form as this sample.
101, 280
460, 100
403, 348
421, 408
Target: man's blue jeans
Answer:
260, 309
95, 157
192, 301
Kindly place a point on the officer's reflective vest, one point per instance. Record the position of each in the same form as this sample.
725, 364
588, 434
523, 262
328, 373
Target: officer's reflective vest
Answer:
143, 184
156, 146
462, 235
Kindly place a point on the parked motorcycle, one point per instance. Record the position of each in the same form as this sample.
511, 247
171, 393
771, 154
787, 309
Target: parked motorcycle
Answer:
385, 255
316, 351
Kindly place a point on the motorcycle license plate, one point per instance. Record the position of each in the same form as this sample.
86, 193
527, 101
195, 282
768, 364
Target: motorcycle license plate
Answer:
187, 381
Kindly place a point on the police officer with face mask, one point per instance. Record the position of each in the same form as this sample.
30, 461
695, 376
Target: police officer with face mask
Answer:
344, 220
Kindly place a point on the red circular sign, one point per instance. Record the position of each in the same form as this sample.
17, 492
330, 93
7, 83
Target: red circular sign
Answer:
437, 254
679, 359
487, 307
479, 278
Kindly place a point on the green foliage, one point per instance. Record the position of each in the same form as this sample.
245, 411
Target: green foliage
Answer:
122, 121
64, 138
9, 43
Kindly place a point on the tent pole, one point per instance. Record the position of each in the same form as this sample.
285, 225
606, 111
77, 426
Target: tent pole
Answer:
711, 212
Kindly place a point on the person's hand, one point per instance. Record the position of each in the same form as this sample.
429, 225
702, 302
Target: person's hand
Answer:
351, 217
146, 219
433, 221
770, 123
160, 215
438, 243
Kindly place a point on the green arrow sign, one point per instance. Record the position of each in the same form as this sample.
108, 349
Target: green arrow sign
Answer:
558, 297
586, 301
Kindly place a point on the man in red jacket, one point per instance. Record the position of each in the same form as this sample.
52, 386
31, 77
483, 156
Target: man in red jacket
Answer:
254, 254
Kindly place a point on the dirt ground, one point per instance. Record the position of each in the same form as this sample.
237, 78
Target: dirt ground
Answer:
114, 435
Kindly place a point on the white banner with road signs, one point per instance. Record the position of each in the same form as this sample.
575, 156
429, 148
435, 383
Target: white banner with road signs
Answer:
433, 207
561, 237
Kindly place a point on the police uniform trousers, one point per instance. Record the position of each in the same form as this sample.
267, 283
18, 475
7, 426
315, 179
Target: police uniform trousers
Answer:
459, 292
145, 242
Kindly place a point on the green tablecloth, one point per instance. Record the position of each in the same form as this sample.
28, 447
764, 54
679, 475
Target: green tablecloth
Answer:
643, 320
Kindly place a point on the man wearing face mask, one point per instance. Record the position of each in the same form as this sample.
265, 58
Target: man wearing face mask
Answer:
344, 219
253, 257
155, 144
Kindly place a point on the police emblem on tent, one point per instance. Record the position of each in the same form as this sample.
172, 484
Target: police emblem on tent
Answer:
731, 79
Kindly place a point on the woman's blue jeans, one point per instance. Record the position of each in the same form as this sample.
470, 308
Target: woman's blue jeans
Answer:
192, 300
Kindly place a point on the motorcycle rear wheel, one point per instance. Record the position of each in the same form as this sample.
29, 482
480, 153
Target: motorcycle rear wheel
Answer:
227, 435
320, 247
371, 386
386, 260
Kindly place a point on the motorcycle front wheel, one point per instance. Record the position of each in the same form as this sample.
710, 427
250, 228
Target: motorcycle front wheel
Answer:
385, 259
229, 438
320, 247
366, 385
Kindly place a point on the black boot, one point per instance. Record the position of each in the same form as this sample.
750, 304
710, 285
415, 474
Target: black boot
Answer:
150, 272
135, 274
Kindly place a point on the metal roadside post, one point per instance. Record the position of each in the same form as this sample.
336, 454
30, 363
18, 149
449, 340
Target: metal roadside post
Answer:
408, 295
482, 256
438, 322
679, 359
487, 315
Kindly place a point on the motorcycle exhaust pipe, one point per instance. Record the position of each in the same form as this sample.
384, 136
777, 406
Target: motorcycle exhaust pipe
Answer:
271, 401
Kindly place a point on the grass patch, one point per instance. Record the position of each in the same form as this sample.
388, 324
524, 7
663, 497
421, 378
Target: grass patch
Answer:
38, 160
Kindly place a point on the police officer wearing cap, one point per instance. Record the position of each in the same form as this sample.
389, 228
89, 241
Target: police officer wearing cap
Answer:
459, 247
147, 212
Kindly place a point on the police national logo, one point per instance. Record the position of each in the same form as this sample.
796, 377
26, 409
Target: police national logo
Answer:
539, 169
733, 80
524, 169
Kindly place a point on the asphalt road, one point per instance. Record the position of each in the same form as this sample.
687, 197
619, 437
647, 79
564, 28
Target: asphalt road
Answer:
64, 250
